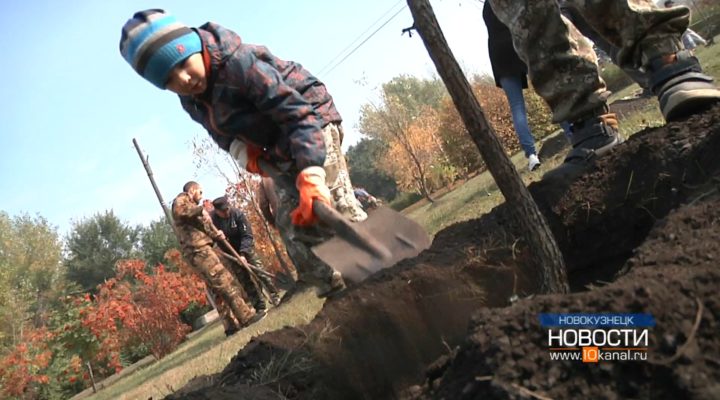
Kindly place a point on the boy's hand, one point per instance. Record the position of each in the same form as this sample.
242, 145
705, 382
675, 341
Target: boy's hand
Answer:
247, 156
311, 186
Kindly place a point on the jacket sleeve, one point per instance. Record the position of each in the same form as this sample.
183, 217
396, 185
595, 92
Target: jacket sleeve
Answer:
208, 225
246, 239
184, 209
295, 115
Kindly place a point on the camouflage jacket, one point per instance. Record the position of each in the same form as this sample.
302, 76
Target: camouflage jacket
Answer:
260, 99
192, 224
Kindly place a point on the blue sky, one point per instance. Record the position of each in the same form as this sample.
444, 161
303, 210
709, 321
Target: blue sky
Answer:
71, 105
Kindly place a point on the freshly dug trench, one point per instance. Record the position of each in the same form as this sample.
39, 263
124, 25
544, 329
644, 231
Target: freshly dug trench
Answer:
674, 276
377, 338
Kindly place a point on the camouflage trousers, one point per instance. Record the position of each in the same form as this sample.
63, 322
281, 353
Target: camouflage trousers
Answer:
229, 294
230, 323
299, 240
562, 65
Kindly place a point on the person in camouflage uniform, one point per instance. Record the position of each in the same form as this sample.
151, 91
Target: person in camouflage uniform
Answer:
566, 74
255, 105
197, 234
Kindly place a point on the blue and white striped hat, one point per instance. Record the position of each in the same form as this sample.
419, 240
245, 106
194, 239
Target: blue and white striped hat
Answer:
154, 42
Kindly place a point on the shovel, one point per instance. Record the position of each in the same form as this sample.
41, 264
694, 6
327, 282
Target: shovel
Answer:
360, 249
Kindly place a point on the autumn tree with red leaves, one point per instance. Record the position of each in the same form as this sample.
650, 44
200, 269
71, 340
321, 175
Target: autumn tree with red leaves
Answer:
137, 308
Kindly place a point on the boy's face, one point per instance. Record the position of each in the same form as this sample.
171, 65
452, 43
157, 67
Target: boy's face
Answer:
188, 77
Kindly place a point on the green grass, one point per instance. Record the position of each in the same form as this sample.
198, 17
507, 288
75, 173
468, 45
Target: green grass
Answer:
206, 353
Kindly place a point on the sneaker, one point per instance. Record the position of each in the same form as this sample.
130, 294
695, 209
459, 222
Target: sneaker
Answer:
259, 315
533, 162
680, 85
260, 305
591, 138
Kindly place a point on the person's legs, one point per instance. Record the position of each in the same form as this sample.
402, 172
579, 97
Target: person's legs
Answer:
223, 282
514, 93
338, 177
229, 322
252, 257
650, 38
561, 64
299, 240
564, 72
254, 297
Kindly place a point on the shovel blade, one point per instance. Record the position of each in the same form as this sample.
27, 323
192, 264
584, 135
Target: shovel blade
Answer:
399, 236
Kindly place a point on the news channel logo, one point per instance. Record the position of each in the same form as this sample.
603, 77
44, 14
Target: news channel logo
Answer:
592, 338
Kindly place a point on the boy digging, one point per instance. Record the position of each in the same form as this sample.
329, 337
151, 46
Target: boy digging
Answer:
255, 106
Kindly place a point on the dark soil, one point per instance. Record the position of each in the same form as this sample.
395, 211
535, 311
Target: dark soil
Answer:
387, 334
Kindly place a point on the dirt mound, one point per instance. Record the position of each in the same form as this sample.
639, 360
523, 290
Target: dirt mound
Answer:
378, 338
675, 277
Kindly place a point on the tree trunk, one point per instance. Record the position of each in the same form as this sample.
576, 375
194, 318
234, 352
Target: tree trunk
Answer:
537, 233
424, 189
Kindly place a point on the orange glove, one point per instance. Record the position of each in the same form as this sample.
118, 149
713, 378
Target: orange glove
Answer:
253, 154
247, 155
311, 186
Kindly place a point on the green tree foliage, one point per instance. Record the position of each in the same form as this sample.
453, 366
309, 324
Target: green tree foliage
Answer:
155, 239
94, 246
365, 172
414, 94
31, 274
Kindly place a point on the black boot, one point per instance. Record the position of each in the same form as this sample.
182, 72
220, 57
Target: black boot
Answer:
592, 137
680, 85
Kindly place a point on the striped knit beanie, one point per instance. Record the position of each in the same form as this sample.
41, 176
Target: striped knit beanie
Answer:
154, 42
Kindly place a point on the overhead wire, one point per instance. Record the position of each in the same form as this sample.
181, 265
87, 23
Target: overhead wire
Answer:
359, 37
365, 40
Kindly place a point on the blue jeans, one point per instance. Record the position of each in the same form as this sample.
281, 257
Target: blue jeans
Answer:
514, 93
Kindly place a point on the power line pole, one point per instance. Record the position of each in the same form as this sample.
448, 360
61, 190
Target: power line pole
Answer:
146, 164
538, 235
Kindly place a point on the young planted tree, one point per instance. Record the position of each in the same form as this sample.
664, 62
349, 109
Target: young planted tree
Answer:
538, 236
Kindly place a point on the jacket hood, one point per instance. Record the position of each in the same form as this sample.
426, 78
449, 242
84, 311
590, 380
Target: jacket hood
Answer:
220, 42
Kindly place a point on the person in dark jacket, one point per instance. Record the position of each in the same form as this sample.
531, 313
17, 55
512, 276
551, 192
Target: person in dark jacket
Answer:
255, 106
510, 74
234, 224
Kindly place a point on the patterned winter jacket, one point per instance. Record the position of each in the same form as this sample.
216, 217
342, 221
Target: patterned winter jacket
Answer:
262, 100
193, 225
